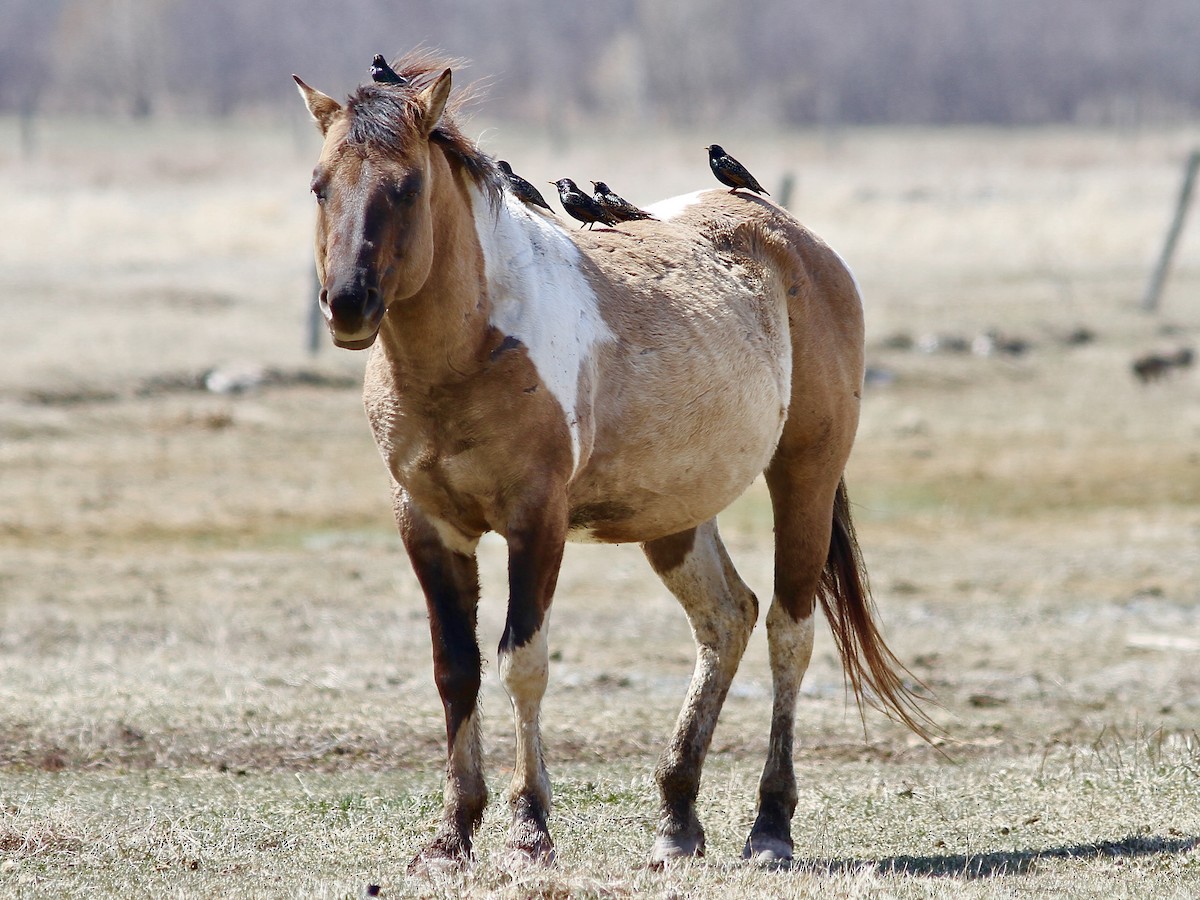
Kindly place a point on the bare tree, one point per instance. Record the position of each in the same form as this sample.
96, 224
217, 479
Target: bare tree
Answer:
25, 61
112, 54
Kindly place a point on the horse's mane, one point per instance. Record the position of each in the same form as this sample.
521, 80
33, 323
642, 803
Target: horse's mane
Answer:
384, 115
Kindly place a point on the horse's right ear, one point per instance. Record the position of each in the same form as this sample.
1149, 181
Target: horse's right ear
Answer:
321, 107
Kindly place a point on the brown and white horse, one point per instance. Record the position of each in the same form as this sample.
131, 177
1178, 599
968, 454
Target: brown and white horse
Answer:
550, 385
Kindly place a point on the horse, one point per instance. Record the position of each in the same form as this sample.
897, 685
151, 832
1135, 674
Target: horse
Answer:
622, 385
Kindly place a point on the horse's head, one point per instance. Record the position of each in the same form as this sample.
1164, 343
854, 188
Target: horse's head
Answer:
372, 183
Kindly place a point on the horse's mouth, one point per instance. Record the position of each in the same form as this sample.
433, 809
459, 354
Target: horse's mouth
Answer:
357, 344
359, 339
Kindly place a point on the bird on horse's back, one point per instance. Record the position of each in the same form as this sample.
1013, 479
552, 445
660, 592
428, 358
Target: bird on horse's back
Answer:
550, 384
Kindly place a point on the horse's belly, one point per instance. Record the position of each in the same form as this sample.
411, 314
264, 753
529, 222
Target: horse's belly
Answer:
654, 475
644, 513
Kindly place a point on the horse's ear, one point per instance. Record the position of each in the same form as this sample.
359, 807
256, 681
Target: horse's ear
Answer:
321, 107
433, 99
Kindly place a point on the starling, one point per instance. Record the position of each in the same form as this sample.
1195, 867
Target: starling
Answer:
382, 73
525, 191
731, 172
621, 209
580, 206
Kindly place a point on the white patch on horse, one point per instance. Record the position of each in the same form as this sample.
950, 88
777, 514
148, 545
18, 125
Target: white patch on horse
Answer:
665, 210
582, 534
453, 538
540, 295
524, 670
466, 763
791, 646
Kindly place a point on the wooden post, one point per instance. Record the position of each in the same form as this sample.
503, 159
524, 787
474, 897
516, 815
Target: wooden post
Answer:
786, 186
1159, 278
27, 124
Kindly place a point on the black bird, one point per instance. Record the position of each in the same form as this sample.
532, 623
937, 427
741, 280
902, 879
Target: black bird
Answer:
731, 172
382, 73
622, 209
525, 191
580, 206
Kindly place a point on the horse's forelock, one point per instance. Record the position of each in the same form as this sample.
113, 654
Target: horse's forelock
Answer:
385, 116
382, 116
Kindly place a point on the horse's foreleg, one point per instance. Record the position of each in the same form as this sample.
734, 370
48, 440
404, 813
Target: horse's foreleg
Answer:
802, 530
535, 549
450, 581
722, 612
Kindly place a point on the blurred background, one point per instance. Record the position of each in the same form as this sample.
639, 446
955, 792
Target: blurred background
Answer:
776, 63
1002, 178
198, 566
832, 105
997, 174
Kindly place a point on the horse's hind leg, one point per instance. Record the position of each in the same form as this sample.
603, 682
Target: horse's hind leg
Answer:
803, 521
722, 610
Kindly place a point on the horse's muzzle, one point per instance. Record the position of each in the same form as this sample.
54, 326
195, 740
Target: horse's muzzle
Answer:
353, 315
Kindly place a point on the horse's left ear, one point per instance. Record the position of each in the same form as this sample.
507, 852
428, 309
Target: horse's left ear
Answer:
321, 107
433, 99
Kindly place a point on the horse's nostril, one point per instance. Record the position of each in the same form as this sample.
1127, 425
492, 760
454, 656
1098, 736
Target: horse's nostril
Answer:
371, 303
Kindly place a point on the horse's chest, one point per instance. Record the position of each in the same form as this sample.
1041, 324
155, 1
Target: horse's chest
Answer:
458, 450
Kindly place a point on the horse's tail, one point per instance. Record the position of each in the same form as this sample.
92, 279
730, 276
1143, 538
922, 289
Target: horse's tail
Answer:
873, 671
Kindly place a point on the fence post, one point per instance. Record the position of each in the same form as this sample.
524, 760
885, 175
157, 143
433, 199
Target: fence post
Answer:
1158, 279
786, 186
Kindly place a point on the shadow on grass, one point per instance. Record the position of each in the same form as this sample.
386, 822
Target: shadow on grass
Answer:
1011, 862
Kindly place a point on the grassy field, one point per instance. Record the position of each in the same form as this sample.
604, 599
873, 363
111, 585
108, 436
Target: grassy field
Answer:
215, 676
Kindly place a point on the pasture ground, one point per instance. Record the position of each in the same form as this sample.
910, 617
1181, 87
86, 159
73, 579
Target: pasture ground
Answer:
214, 662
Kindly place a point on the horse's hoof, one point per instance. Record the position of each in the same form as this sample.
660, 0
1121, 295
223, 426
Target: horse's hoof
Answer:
675, 847
765, 850
441, 856
529, 843
516, 859
425, 865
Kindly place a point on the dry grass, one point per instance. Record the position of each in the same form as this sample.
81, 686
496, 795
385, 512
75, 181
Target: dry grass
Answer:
214, 662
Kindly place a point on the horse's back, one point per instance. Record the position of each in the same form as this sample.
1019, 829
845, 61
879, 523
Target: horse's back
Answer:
718, 312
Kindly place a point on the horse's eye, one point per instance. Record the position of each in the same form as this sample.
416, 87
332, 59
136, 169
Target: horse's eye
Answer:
405, 192
318, 187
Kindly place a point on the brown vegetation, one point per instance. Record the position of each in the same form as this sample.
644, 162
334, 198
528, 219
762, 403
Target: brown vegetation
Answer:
214, 662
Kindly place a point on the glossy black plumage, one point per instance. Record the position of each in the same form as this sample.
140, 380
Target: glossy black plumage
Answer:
580, 206
525, 191
621, 209
382, 73
731, 172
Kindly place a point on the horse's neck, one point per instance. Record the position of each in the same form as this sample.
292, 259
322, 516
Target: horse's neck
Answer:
435, 334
